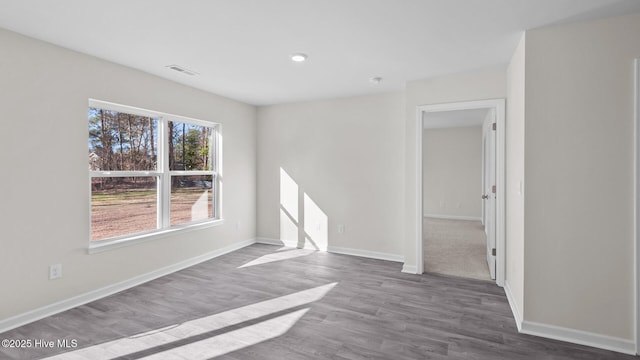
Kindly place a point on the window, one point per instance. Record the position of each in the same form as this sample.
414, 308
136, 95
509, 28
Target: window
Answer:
150, 171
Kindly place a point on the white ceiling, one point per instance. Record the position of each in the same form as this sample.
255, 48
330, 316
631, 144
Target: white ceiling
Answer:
241, 48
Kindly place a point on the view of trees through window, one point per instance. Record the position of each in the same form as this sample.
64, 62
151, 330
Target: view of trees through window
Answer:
122, 142
189, 147
126, 166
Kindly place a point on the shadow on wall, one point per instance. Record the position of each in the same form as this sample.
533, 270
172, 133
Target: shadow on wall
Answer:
302, 223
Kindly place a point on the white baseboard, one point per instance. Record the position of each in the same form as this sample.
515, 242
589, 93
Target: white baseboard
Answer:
366, 253
566, 334
579, 337
335, 249
277, 242
410, 269
48, 310
287, 243
517, 315
453, 217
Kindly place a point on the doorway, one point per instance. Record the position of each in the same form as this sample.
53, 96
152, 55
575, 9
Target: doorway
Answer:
492, 211
636, 140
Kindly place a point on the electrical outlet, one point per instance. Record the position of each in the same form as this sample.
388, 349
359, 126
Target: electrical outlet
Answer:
55, 271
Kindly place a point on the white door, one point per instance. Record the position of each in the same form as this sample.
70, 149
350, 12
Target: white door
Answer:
485, 175
489, 194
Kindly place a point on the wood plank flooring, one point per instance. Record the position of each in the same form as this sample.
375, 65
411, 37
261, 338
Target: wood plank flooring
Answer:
266, 302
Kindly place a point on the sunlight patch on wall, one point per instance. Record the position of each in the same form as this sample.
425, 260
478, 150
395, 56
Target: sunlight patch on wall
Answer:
288, 208
288, 228
316, 224
304, 224
289, 195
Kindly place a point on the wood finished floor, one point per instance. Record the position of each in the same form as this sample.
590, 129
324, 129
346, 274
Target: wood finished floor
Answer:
264, 302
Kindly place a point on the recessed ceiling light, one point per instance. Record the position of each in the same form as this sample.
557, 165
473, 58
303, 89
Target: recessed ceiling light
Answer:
299, 57
375, 80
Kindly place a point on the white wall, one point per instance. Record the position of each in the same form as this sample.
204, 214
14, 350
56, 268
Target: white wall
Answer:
452, 172
579, 240
44, 185
569, 240
477, 85
346, 155
514, 158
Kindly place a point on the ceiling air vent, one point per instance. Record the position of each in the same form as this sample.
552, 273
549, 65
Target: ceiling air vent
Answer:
179, 68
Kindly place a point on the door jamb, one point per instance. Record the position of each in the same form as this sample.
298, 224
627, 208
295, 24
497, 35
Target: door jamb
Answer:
499, 106
636, 197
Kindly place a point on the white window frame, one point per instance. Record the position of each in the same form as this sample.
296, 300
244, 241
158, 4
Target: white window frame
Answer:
163, 175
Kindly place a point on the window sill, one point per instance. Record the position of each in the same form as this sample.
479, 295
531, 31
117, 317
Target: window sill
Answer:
106, 245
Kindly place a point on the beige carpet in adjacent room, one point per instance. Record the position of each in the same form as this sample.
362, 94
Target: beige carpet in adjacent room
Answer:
455, 247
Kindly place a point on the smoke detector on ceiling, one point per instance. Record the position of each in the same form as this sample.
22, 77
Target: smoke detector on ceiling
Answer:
181, 69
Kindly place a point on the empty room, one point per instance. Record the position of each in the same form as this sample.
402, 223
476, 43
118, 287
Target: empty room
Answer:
354, 179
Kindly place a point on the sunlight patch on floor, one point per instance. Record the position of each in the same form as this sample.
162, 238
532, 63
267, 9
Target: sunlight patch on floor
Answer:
278, 256
263, 319
233, 340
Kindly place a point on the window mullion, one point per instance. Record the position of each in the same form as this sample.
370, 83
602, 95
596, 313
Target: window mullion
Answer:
164, 185
116, 174
217, 167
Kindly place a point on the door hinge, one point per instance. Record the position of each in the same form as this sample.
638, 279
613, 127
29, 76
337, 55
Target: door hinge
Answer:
494, 126
493, 251
493, 189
